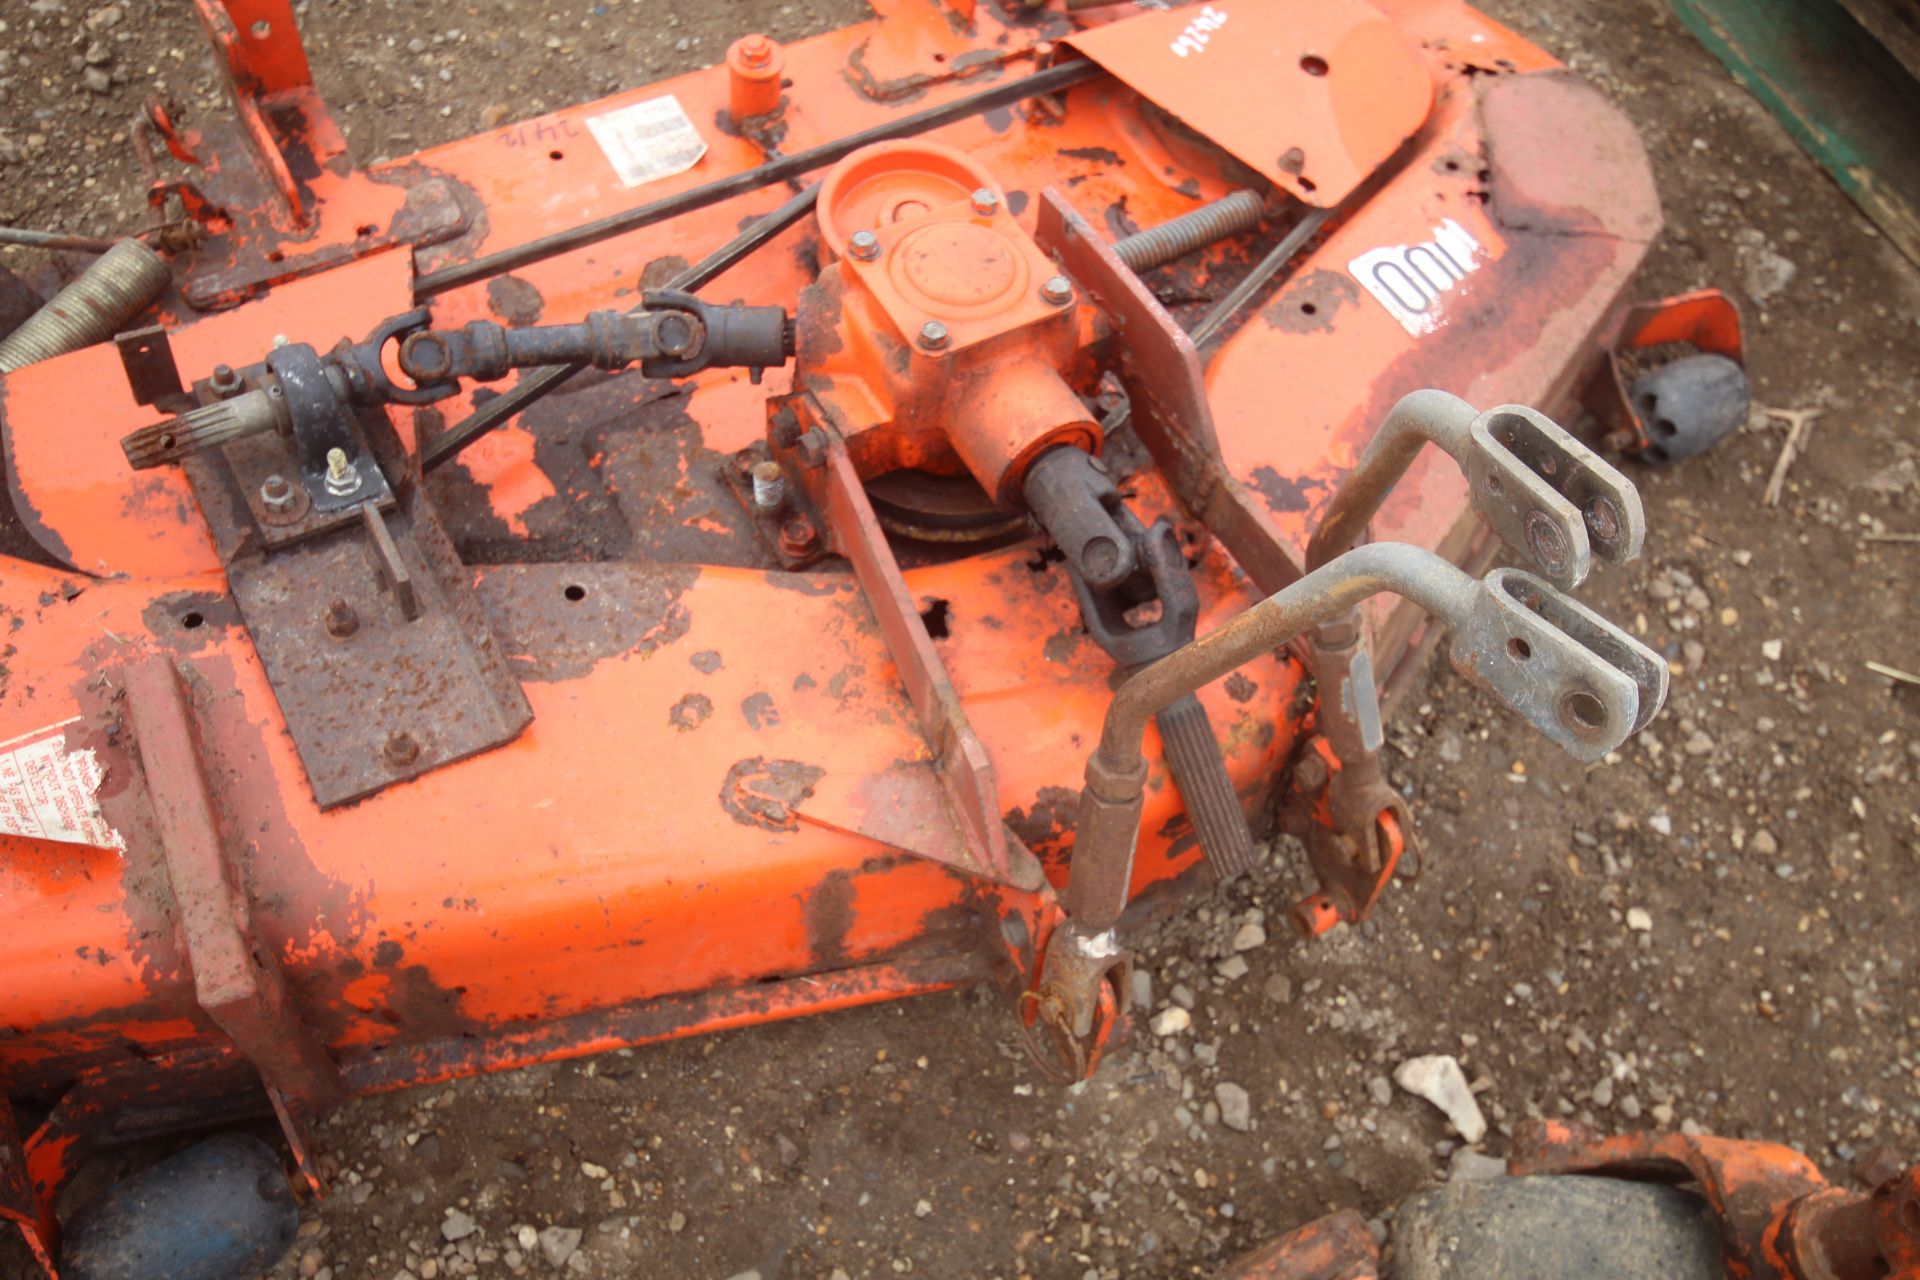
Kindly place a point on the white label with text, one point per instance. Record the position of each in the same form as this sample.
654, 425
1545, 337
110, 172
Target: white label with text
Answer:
648, 141
48, 792
1411, 279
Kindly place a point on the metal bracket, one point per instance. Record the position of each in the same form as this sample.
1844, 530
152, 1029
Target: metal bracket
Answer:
235, 980
966, 774
147, 356
1159, 366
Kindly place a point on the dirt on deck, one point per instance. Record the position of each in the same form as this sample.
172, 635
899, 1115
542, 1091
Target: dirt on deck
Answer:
1714, 929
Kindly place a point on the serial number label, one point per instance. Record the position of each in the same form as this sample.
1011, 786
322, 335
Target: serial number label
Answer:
1411, 279
648, 141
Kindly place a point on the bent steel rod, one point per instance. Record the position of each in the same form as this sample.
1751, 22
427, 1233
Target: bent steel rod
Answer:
1064, 76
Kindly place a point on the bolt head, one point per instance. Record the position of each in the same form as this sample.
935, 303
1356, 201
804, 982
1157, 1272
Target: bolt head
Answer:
1058, 290
864, 246
224, 380
985, 202
400, 748
756, 50
341, 619
276, 495
1548, 544
798, 536
934, 335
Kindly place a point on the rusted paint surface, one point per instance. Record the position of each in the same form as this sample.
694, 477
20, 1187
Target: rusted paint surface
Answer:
726, 769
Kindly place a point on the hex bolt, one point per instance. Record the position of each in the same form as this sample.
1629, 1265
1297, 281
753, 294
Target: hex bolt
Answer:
341, 620
756, 50
276, 495
864, 246
400, 749
985, 202
224, 382
769, 486
343, 477
1547, 543
1058, 290
934, 335
798, 537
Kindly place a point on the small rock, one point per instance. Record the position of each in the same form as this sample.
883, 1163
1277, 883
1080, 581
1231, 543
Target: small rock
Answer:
1142, 989
1182, 995
98, 54
789, 1150
1767, 274
528, 1238
1250, 935
1468, 1165
457, 1226
676, 1222
1763, 844
1233, 968
97, 80
592, 1170
1603, 1092
1382, 1090
1438, 1079
1236, 1109
1771, 650
1661, 824
310, 1263
105, 18
921, 1208
1171, 1021
492, 114
1639, 920
559, 1243
1279, 989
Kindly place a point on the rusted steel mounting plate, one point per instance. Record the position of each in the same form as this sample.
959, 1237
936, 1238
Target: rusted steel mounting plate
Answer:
371, 698
1336, 88
428, 213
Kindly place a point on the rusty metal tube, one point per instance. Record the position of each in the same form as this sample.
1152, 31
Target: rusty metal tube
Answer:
115, 289
1116, 771
1417, 419
1429, 580
1230, 215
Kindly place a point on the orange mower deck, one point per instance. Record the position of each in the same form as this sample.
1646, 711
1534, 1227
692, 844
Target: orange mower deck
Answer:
666, 767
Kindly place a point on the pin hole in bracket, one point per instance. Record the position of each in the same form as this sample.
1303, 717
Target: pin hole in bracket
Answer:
1543, 491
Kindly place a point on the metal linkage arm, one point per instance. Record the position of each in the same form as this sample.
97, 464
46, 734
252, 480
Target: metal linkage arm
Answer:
1577, 678
1538, 487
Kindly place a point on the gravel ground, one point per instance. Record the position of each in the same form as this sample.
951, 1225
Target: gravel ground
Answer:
1712, 930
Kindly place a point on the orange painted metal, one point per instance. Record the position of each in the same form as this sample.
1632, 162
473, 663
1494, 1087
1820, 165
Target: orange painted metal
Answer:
1336, 1247
1779, 1217
754, 64
1340, 87
1706, 319
734, 786
989, 394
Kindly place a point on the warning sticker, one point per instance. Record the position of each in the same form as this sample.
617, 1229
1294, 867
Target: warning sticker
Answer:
648, 140
1409, 279
48, 792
